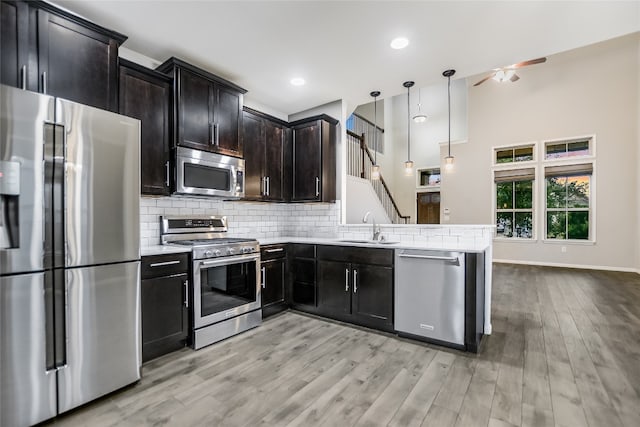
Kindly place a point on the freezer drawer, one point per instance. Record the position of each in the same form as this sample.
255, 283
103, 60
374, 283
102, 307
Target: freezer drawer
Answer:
103, 332
27, 389
430, 295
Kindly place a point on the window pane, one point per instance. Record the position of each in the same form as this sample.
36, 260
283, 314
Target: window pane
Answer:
556, 225
578, 148
578, 225
504, 224
524, 194
556, 192
578, 191
555, 151
523, 154
523, 227
504, 195
504, 156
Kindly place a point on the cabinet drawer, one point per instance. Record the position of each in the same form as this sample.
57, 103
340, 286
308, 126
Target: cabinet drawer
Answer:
356, 255
301, 250
164, 265
273, 252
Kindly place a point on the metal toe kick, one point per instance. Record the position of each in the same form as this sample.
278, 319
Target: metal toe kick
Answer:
225, 329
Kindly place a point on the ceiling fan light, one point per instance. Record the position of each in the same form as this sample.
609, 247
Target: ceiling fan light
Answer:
375, 172
504, 76
408, 168
420, 118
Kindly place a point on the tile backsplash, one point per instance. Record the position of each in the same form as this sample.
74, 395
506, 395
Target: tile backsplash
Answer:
265, 220
250, 219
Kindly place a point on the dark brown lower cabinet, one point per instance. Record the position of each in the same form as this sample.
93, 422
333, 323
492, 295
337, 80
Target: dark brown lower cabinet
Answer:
302, 270
273, 278
351, 290
165, 304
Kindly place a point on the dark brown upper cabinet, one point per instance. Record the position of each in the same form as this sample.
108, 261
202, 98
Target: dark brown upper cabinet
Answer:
145, 95
52, 51
314, 159
207, 109
267, 159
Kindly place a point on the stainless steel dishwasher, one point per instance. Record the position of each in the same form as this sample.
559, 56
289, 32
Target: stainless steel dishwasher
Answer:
430, 295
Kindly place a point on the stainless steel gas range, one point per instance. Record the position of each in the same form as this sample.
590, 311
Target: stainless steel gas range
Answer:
225, 288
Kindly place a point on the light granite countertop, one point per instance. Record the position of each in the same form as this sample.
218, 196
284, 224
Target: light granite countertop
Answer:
463, 247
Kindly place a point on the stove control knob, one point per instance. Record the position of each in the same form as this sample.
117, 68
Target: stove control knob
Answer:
246, 250
208, 253
217, 252
231, 251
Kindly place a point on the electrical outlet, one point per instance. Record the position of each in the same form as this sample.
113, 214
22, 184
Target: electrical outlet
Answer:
563, 249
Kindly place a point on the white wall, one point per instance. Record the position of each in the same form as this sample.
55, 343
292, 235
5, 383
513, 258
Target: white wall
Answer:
425, 137
591, 90
638, 164
362, 199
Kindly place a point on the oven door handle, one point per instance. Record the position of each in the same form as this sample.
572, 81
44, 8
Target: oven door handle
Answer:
229, 260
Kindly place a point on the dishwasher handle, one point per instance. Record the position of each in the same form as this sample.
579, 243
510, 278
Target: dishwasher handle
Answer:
432, 257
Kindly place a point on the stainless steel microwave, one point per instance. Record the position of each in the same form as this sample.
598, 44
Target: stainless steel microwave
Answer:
201, 173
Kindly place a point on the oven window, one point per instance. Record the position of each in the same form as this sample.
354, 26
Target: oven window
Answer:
228, 286
198, 176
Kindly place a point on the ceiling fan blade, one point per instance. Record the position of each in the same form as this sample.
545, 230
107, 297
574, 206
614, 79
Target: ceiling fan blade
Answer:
529, 62
514, 78
485, 79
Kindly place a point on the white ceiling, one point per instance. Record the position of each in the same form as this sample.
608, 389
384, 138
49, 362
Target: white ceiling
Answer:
342, 48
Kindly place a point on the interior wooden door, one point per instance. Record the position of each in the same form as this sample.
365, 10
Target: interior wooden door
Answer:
428, 207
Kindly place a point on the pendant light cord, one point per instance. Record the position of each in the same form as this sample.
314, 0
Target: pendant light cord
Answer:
375, 130
408, 125
449, 102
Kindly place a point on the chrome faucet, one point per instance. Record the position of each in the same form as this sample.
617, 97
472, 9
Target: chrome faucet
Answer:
376, 227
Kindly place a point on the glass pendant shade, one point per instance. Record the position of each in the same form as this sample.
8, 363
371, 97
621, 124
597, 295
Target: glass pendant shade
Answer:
448, 163
408, 168
375, 172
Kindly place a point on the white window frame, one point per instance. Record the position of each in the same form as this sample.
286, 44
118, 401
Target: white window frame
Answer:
510, 165
535, 188
566, 161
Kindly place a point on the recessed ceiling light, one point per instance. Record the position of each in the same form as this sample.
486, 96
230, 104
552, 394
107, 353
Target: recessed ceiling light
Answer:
399, 43
297, 81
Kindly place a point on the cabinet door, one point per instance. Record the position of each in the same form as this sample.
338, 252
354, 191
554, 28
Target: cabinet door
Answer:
195, 113
273, 282
306, 163
227, 121
274, 160
373, 295
148, 99
254, 153
77, 63
14, 38
164, 315
334, 288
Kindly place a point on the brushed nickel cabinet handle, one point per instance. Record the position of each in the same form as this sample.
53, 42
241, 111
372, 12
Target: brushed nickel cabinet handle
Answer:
317, 186
355, 281
23, 77
162, 264
346, 280
166, 165
186, 293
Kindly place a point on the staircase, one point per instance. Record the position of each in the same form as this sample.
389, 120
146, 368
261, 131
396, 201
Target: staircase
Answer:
359, 162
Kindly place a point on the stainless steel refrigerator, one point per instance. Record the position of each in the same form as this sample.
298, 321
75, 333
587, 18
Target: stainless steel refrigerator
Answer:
69, 255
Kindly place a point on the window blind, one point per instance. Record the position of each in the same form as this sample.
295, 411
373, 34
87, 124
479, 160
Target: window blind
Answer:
525, 174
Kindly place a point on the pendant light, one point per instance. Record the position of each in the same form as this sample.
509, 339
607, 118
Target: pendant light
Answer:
448, 161
375, 168
420, 118
408, 165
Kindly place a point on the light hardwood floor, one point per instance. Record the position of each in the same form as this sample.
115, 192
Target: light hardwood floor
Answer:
565, 351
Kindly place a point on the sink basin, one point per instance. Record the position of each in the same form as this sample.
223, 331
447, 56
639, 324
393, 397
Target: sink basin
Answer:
372, 242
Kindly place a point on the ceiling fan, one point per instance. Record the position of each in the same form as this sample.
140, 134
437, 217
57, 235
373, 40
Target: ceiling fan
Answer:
508, 73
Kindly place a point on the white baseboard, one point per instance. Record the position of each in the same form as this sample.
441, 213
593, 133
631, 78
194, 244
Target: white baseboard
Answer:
559, 264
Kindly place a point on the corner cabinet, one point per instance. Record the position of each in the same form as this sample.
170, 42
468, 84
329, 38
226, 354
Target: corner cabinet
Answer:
356, 285
314, 159
52, 51
267, 157
145, 95
207, 109
165, 304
